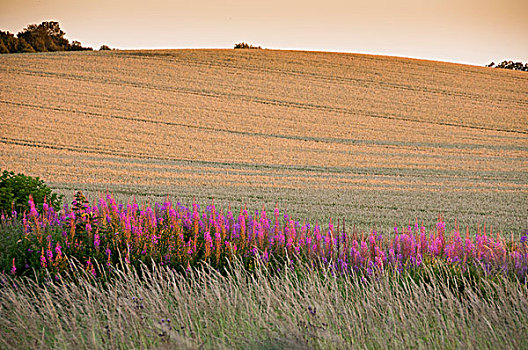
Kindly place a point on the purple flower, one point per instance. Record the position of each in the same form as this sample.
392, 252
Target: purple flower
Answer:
524, 239
43, 260
58, 248
97, 241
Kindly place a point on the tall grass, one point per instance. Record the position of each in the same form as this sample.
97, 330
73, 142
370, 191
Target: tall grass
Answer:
110, 275
238, 309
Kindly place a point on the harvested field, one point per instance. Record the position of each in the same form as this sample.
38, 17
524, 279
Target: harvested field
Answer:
376, 140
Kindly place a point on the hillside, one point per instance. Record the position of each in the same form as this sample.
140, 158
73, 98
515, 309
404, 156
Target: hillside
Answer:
377, 140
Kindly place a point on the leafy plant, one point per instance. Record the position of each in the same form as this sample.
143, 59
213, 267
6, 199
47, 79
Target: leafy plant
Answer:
16, 188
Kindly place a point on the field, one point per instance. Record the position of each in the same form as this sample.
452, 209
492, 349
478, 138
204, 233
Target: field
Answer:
376, 140
258, 199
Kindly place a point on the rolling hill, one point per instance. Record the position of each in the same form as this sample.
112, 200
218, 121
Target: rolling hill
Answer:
376, 140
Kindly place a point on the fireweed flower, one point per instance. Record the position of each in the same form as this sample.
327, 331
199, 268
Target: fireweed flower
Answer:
58, 249
108, 253
180, 235
97, 241
32, 210
90, 268
43, 259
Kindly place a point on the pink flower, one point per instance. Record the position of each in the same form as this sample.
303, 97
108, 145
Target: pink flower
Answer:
13, 269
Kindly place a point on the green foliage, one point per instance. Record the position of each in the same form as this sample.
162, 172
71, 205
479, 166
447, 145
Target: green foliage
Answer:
9, 43
23, 46
3, 48
15, 191
43, 37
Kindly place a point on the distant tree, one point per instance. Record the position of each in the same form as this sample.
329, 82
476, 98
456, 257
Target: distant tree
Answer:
23, 46
3, 48
9, 41
76, 46
44, 37
511, 65
104, 47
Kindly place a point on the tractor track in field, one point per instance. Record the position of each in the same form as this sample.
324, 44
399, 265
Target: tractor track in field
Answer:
349, 141
329, 78
259, 100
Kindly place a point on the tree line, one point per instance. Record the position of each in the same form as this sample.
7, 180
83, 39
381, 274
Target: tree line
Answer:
510, 65
44, 37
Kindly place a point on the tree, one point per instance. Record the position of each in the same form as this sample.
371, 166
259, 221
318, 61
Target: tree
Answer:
246, 46
3, 48
23, 46
511, 65
76, 46
104, 47
43, 37
9, 41
48, 36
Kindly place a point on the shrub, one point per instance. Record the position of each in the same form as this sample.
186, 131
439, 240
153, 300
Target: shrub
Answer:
104, 47
15, 191
246, 46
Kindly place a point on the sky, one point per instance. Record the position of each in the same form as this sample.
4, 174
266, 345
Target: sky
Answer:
463, 31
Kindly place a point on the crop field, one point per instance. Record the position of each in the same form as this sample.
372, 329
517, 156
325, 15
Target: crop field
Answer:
376, 140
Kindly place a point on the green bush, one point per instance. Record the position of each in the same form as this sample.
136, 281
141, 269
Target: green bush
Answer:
15, 191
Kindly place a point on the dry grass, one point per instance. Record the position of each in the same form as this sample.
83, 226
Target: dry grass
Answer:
263, 310
377, 140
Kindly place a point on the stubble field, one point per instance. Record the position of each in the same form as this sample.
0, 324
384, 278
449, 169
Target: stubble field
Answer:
375, 140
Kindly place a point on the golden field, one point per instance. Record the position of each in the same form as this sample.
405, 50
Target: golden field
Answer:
376, 140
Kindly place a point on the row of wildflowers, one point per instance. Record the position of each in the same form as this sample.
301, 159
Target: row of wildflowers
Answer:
105, 234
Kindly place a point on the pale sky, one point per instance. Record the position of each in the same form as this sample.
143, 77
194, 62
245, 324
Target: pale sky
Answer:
465, 31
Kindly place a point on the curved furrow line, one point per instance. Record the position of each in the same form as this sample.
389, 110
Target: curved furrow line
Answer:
349, 141
329, 171
146, 156
327, 78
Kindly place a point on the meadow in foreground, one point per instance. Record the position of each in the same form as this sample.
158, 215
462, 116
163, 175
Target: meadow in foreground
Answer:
302, 308
120, 275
